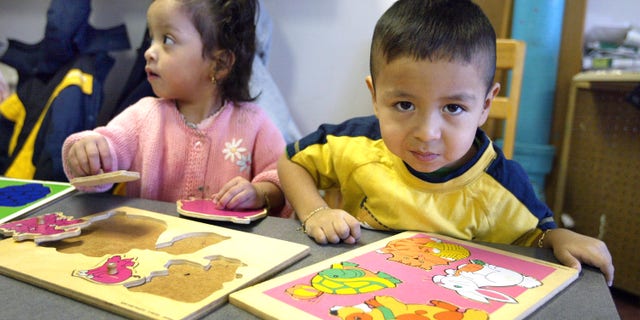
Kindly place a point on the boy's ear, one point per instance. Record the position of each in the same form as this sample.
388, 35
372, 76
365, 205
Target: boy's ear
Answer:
488, 100
372, 90
221, 63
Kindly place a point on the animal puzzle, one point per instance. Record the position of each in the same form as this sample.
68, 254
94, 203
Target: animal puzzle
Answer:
414, 276
18, 196
141, 264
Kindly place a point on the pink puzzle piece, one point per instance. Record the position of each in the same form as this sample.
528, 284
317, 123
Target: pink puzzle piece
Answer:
116, 269
47, 227
206, 209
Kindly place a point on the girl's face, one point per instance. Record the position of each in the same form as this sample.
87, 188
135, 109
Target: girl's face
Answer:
175, 65
429, 110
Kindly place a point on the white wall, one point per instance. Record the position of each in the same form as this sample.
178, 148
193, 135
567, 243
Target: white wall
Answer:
612, 13
320, 57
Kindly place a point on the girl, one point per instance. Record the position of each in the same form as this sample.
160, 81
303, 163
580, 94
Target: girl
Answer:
202, 137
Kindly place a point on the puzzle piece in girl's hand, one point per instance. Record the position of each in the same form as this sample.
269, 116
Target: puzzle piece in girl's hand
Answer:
105, 178
48, 227
206, 209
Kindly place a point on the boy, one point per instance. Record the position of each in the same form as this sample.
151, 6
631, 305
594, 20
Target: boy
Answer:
422, 163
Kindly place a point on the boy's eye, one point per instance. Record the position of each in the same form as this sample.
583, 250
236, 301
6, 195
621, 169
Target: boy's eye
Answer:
452, 109
167, 40
405, 106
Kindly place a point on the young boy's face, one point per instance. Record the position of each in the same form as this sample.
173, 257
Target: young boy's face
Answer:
429, 110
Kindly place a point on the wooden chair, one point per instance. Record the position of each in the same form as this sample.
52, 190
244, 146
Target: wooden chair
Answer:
510, 56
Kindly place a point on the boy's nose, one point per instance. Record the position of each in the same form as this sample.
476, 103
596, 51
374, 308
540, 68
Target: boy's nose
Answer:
427, 127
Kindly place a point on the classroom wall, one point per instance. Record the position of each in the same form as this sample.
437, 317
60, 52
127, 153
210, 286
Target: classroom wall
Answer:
319, 55
616, 13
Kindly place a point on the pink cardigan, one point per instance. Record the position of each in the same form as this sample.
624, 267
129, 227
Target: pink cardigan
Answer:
177, 162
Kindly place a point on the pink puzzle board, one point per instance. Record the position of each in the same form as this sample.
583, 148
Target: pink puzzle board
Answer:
411, 274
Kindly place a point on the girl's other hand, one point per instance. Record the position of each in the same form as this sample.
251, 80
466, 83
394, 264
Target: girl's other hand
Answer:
239, 193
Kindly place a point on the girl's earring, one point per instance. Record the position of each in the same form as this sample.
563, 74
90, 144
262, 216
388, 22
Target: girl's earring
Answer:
213, 80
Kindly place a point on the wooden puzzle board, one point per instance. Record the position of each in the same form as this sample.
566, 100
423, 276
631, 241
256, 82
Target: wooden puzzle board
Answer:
20, 196
407, 275
192, 266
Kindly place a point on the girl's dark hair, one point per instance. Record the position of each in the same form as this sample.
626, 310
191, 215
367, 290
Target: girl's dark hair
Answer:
228, 25
456, 30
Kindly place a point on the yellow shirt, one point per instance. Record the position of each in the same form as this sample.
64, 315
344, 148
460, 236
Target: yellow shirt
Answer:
488, 199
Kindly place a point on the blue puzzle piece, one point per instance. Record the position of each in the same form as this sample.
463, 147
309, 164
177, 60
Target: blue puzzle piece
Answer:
15, 196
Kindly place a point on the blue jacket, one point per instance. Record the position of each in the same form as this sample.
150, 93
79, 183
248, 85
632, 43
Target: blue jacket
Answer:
59, 92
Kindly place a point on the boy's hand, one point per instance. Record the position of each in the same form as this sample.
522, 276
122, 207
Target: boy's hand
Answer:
333, 226
239, 193
89, 156
571, 248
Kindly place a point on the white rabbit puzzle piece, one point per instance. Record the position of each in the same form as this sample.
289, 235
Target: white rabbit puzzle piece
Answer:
130, 261
411, 273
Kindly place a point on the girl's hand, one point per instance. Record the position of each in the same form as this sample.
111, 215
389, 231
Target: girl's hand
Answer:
332, 226
571, 248
89, 156
239, 193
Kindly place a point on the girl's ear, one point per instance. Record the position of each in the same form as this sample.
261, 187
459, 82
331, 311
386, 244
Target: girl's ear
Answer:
221, 64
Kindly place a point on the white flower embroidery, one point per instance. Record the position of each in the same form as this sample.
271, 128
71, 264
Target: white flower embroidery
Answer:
233, 150
244, 162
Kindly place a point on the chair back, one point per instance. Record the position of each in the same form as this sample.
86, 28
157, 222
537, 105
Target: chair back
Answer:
510, 56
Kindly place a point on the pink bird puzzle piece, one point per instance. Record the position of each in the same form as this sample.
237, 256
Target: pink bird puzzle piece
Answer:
47, 227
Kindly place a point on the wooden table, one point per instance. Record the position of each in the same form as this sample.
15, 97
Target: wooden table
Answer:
588, 297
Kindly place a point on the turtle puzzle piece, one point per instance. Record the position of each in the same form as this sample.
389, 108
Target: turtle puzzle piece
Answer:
48, 227
349, 278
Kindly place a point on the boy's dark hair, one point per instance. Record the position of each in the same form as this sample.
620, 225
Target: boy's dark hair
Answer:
457, 30
230, 25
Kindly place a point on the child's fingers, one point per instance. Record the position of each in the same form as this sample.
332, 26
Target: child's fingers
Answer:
94, 162
350, 240
332, 236
236, 199
105, 155
566, 258
608, 271
317, 234
334, 226
354, 227
224, 195
225, 189
235, 194
79, 160
347, 230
